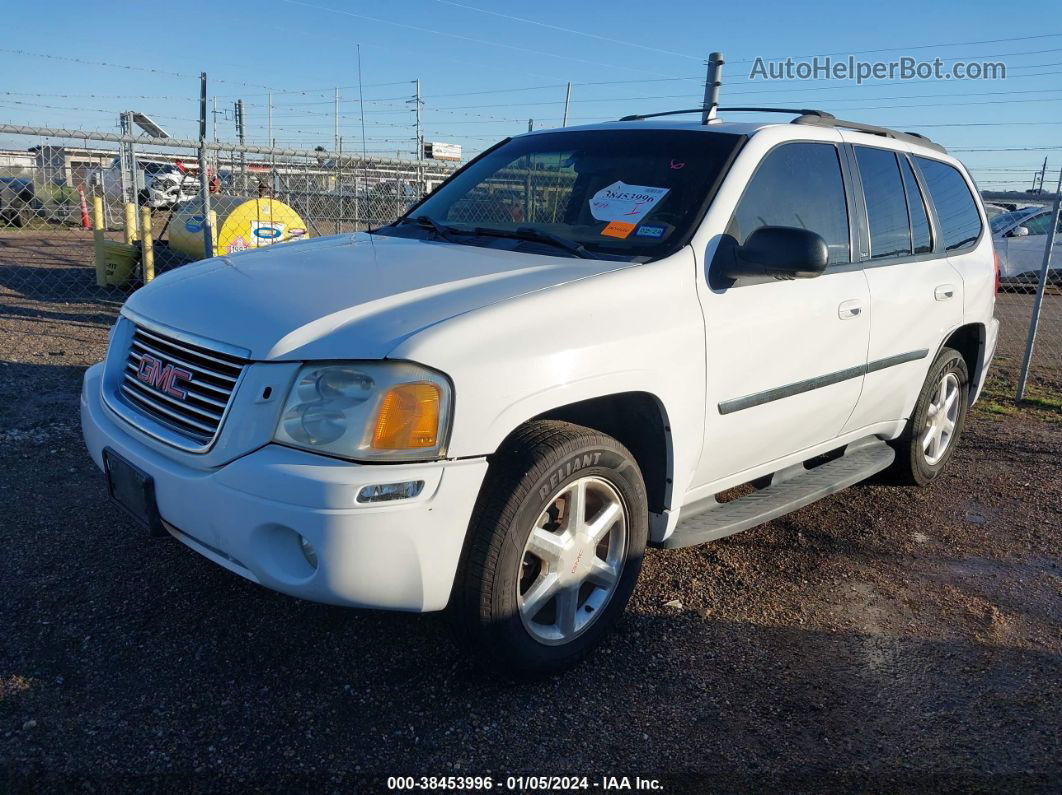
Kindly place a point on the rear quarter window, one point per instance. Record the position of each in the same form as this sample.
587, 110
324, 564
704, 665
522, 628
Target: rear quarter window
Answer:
960, 223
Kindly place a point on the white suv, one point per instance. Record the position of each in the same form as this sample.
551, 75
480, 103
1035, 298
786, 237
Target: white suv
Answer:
563, 354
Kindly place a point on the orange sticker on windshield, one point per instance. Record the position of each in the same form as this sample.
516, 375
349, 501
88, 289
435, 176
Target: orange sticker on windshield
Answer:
619, 229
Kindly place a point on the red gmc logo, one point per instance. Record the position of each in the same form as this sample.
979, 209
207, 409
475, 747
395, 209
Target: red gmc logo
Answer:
162, 377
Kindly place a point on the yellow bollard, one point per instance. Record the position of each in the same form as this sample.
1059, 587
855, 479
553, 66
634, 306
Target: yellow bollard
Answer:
213, 233
147, 244
130, 224
97, 241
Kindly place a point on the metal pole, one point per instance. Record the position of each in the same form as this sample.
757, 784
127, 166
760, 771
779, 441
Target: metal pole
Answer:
364, 152
420, 144
204, 179
127, 163
215, 117
1040, 288
712, 81
336, 147
242, 135
530, 125
567, 102
269, 122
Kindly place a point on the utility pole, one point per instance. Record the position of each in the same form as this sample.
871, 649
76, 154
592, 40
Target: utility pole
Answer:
530, 125
1043, 171
204, 179
712, 81
420, 143
567, 101
269, 123
1041, 287
336, 148
364, 152
240, 137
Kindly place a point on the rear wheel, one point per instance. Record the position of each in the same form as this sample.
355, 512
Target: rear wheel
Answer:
556, 545
939, 417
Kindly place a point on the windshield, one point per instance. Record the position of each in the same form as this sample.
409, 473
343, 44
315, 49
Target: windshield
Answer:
1001, 222
625, 194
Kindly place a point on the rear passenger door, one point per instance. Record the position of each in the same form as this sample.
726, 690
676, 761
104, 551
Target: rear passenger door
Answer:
916, 296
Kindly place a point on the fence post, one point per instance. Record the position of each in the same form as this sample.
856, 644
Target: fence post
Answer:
1041, 287
147, 243
712, 82
97, 241
204, 178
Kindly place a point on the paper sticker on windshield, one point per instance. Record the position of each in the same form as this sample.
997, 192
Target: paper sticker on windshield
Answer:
649, 231
623, 202
620, 229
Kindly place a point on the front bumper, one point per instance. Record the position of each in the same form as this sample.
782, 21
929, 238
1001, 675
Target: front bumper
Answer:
248, 514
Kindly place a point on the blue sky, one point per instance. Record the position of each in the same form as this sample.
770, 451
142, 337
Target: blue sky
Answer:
486, 68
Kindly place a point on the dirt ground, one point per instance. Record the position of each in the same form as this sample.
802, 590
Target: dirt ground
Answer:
882, 639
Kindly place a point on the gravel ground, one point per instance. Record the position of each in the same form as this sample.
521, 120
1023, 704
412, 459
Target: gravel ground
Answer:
882, 639
885, 638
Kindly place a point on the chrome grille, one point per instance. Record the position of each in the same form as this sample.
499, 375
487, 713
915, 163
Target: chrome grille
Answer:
194, 403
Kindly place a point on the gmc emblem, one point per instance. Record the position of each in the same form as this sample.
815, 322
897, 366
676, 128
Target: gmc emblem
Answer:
162, 377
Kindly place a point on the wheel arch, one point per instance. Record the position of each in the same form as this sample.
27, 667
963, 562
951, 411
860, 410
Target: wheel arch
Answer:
969, 340
638, 421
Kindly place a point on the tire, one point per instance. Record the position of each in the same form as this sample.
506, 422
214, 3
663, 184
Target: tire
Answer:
918, 459
543, 469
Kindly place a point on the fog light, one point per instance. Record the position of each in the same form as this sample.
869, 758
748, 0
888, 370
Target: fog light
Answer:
308, 552
387, 492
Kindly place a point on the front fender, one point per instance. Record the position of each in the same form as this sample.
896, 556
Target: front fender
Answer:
638, 329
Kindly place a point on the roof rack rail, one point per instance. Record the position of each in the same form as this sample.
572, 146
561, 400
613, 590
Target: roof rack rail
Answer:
831, 121
798, 111
807, 116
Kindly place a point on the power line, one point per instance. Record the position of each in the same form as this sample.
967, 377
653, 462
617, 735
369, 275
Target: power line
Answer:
437, 32
569, 30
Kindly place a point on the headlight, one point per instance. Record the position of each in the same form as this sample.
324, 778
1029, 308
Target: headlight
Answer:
392, 411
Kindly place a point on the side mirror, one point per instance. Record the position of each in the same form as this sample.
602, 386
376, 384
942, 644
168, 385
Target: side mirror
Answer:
1019, 231
784, 252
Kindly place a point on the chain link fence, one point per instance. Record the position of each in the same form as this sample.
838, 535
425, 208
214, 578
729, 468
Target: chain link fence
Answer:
86, 218
1022, 239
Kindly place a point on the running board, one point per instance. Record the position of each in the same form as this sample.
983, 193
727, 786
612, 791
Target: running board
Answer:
790, 488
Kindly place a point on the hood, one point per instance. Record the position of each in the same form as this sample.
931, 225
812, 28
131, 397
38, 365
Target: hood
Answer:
344, 297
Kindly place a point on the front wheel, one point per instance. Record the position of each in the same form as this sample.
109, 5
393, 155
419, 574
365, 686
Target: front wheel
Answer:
556, 545
939, 416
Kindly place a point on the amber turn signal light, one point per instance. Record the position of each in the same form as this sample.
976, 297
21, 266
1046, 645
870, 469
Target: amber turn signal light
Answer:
408, 418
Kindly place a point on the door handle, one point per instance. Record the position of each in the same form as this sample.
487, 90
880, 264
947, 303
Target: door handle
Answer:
853, 307
944, 292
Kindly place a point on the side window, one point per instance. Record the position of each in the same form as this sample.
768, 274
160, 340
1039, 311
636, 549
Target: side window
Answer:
960, 223
883, 191
921, 237
799, 185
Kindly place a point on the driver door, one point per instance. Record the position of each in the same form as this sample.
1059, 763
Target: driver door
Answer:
785, 359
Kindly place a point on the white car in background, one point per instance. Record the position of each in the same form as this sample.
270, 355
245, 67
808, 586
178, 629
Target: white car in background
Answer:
1020, 238
158, 184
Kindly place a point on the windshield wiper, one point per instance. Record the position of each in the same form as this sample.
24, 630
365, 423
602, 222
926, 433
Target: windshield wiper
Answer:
536, 236
444, 232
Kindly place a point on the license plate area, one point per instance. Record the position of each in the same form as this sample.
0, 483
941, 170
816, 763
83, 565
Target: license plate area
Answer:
133, 490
